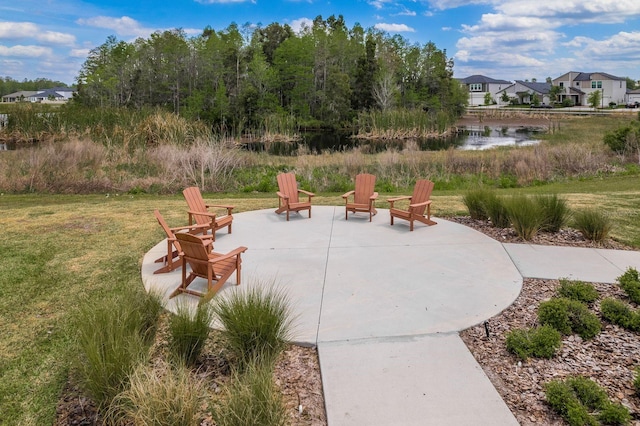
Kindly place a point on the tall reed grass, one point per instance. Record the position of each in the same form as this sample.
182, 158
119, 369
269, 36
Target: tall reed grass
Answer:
593, 224
401, 124
526, 216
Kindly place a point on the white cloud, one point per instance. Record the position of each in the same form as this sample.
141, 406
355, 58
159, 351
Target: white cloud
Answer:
21, 51
394, 28
123, 26
79, 53
379, 4
53, 37
572, 11
299, 25
406, 12
29, 30
621, 46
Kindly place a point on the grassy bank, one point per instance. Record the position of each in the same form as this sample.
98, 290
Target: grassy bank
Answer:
59, 251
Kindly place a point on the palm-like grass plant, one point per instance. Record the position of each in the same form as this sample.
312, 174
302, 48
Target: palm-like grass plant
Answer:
475, 201
556, 212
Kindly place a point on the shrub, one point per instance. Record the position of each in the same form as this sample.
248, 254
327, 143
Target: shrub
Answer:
112, 340
257, 322
525, 215
189, 331
251, 399
555, 212
619, 313
497, 211
169, 397
575, 397
636, 381
476, 200
540, 342
592, 224
569, 316
577, 290
630, 283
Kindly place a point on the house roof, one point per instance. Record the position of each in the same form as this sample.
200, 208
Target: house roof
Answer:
576, 90
49, 92
586, 76
542, 88
25, 93
477, 78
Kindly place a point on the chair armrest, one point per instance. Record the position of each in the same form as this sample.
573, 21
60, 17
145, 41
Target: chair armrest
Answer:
231, 254
404, 197
283, 196
221, 206
310, 194
346, 195
182, 228
374, 196
424, 203
211, 215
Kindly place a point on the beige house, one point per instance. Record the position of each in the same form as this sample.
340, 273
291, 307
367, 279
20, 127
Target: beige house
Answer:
479, 85
577, 86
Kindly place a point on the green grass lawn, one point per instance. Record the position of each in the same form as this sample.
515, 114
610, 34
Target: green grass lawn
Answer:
59, 251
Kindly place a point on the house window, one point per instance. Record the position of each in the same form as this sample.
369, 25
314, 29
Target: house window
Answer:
475, 87
577, 84
596, 84
561, 84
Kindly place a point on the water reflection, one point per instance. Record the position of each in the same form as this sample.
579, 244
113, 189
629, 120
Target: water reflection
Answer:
469, 138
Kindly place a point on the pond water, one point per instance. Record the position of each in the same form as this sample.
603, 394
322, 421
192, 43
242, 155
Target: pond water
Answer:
468, 138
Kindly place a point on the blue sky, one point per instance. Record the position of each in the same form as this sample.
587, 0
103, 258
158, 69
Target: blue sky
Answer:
503, 39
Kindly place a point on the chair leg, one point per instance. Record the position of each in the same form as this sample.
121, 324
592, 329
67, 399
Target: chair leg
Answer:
287, 215
309, 212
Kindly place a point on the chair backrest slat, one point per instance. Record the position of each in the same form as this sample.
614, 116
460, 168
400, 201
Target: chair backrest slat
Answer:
194, 199
288, 186
365, 184
195, 252
421, 193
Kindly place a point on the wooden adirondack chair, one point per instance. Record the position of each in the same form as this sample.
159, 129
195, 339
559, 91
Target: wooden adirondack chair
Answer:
200, 214
364, 197
288, 195
173, 247
216, 268
418, 202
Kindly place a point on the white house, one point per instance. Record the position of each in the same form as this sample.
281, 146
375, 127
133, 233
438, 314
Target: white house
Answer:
524, 91
479, 85
57, 94
577, 86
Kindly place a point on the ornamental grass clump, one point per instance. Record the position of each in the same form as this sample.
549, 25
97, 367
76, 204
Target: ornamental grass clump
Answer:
577, 290
630, 283
257, 322
112, 339
526, 216
581, 401
188, 330
497, 212
170, 395
555, 211
593, 224
569, 316
251, 398
475, 201
539, 342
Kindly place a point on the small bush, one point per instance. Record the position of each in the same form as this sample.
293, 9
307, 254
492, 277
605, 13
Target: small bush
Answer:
630, 283
169, 397
257, 322
578, 290
189, 331
251, 399
569, 316
497, 212
540, 342
526, 216
575, 397
592, 224
555, 212
476, 200
619, 313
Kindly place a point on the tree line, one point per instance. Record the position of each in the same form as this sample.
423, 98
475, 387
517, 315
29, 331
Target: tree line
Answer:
9, 85
241, 77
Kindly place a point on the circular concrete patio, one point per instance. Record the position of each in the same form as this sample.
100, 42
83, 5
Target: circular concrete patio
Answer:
355, 279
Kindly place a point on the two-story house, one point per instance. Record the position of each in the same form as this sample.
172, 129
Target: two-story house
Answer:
577, 86
479, 85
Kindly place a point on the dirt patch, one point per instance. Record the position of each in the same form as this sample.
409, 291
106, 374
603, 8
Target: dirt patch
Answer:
513, 120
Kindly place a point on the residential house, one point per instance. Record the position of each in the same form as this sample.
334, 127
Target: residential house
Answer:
633, 96
479, 85
524, 91
57, 94
577, 86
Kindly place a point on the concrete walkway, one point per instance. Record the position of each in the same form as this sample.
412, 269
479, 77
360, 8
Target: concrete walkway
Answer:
384, 305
